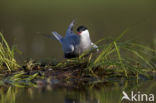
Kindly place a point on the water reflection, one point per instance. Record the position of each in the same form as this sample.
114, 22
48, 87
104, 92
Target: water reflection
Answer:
87, 94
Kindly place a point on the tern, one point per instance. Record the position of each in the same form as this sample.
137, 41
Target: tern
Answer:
75, 44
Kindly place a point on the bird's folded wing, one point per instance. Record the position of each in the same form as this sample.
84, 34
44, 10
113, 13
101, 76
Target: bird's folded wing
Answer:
68, 48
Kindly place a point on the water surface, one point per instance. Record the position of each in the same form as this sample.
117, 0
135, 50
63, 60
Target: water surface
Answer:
98, 93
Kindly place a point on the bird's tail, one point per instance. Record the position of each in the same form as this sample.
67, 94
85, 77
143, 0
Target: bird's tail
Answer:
57, 36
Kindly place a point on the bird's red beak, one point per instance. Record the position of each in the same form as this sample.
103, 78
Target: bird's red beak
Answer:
79, 33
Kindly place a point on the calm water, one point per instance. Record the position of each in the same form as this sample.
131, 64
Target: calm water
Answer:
24, 23
90, 94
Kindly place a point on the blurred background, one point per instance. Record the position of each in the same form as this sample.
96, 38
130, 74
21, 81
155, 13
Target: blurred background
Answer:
24, 22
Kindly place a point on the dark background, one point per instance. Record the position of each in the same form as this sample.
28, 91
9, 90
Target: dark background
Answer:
24, 21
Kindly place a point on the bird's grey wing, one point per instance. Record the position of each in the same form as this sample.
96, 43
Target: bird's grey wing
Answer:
94, 46
68, 46
70, 42
70, 29
57, 36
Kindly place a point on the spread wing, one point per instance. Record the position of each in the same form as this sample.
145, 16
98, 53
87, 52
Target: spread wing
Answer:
57, 36
70, 29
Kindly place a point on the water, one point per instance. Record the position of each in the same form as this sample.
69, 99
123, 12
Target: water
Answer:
24, 23
101, 93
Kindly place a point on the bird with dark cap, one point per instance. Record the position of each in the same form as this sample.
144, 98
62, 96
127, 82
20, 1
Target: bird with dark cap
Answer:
75, 44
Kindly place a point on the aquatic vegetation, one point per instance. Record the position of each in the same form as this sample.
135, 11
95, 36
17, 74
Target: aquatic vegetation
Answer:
116, 59
7, 58
21, 79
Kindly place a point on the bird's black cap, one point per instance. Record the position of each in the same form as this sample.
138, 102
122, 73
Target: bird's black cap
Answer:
81, 28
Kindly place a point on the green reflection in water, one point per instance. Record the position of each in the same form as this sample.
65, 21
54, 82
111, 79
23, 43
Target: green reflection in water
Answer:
98, 93
8, 95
